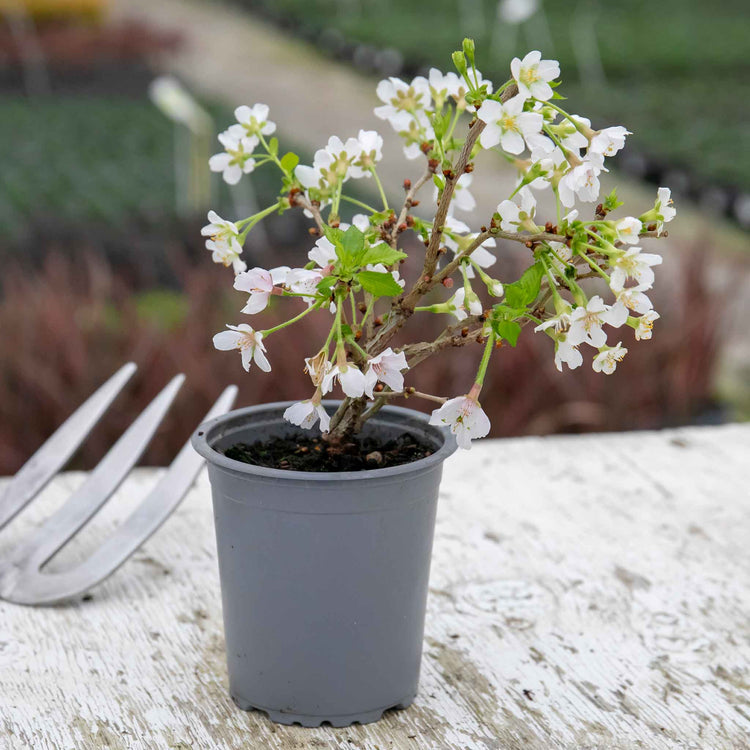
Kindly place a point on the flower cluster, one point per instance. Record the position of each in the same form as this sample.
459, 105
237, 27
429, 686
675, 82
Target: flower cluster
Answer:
352, 271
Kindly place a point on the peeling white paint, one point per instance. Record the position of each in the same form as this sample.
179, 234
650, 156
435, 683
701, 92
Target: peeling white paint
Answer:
566, 611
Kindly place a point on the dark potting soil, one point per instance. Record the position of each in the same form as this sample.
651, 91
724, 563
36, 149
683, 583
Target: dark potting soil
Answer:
314, 454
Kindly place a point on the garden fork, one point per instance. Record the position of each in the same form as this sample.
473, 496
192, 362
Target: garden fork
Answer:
21, 578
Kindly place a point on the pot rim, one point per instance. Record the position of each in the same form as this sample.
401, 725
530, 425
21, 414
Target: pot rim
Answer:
205, 434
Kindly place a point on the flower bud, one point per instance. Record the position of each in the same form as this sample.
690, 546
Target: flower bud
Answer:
459, 60
468, 49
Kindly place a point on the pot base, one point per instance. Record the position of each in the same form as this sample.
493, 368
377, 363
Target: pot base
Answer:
285, 717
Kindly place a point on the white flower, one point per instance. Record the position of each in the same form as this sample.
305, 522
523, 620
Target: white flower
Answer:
645, 325
361, 221
515, 214
443, 85
574, 140
228, 254
483, 258
351, 379
317, 368
634, 299
607, 359
516, 11
628, 230
566, 353
465, 417
219, 229
664, 207
635, 265
306, 413
386, 367
560, 322
609, 141
581, 181
369, 153
258, 283
235, 160
508, 124
331, 165
248, 341
586, 322
532, 74
457, 305
402, 101
324, 252
462, 198
253, 121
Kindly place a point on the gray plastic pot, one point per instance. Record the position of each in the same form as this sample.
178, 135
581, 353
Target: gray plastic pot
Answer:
323, 575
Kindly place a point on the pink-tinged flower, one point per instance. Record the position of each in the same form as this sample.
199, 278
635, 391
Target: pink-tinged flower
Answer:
304, 282
386, 368
465, 418
248, 341
645, 324
532, 74
306, 413
258, 283
507, 124
635, 265
586, 322
235, 160
609, 141
628, 230
608, 357
350, 378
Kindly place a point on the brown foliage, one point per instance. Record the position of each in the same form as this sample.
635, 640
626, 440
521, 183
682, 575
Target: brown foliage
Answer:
71, 324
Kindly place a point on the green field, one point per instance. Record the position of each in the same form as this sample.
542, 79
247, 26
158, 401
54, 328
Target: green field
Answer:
677, 72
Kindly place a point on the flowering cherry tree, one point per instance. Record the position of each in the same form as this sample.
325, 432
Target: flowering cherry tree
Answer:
353, 278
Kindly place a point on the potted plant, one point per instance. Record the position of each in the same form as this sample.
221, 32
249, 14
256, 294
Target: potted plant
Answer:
325, 509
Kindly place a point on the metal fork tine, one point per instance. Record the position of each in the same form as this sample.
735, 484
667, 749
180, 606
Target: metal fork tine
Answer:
101, 483
60, 446
152, 511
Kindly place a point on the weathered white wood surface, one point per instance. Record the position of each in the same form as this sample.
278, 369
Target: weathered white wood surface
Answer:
587, 592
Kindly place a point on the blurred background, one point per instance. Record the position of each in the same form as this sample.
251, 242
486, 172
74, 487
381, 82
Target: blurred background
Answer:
105, 186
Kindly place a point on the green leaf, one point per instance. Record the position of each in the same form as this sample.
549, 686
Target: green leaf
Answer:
524, 291
379, 284
381, 253
352, 245
439, 182
289, 161
611, 202
326, 283
506, 329
273, 146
